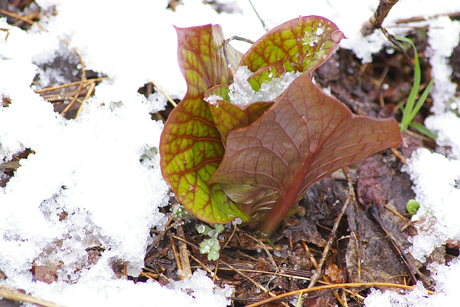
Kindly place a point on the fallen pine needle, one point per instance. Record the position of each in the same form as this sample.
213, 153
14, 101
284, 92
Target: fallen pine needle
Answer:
22, 297
90, 91
166, 95
334, 286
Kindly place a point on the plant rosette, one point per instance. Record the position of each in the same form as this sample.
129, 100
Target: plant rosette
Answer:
249, 146
210, 246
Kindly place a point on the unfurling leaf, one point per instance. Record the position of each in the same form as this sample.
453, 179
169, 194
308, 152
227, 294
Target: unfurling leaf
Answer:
191, 148
304, 136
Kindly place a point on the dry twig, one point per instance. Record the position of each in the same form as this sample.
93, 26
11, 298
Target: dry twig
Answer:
203, 266
7, 33
333, 286
88, 93
160, 236
398, 249
375, 22
252, 280
49, 89
230, 238
395, 212
183, 253
264, 247
307, 249
176, 256
80, 86
164, 93
399, 155
225, 47
22, 18
332, 235
15, 295
422, 18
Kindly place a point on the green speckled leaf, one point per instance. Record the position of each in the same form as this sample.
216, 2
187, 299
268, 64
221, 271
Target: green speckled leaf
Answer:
218, 90
302, 44
190, 147
228, 116
265, 74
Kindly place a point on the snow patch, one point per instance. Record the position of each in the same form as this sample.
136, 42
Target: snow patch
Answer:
242, 93
436, 185
447, 279
213, 100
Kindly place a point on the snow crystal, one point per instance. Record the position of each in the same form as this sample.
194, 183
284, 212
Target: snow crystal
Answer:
203, 290
447, 278
443, 37
242, 93
436, 185
213, 99
436, 177
446, 126
391, 298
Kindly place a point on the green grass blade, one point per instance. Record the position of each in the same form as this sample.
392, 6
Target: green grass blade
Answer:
407, 115
422, 99
423, 130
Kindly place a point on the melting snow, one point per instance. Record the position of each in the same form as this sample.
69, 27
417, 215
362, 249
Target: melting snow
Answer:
213, 100
242, 93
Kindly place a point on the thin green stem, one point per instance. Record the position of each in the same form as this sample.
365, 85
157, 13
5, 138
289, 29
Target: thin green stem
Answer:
411, 108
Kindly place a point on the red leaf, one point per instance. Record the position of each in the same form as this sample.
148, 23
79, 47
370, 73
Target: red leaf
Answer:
305, 136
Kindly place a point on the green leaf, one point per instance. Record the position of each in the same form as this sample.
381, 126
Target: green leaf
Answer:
423, 130
302, 44
266, 73
305, 136
190, 147
203, 229
220, 90
228, 116
411, 109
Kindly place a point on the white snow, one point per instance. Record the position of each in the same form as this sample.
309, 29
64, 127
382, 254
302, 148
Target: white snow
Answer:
89, 167
447, 279
437, 175
242, 93
213, 99
436, 181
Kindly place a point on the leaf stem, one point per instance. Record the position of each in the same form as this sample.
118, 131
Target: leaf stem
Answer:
226, 42
285, 202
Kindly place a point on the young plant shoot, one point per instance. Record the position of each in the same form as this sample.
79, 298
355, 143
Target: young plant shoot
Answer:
210, 246
256, 160
411, 108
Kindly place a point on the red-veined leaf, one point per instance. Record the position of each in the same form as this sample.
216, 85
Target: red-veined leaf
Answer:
266, 73
191, 148
303, 44
228, 116
304, 136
